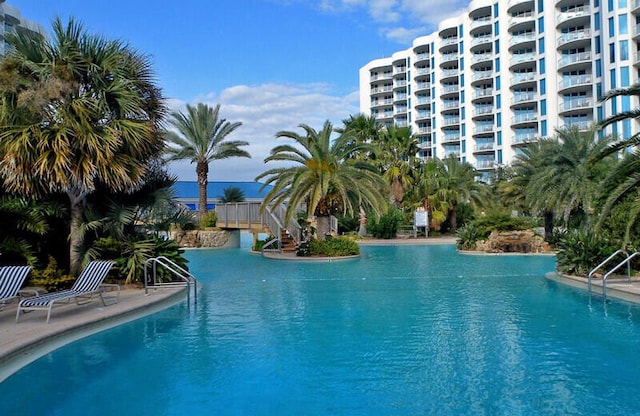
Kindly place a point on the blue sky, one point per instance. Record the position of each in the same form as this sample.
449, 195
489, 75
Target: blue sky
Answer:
271, 64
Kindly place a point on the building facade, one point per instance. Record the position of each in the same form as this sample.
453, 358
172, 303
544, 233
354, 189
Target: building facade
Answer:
507, 72
10, 21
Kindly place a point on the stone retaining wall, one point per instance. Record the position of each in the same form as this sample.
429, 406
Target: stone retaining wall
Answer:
206, 238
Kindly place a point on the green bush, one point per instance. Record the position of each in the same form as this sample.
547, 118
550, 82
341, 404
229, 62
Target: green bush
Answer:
50, 278
501, 222
334, 247
209, 219
260, 243
579, 252
467, 237
387, 226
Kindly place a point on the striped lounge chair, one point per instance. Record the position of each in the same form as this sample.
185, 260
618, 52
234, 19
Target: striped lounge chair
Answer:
88, 285
11, 280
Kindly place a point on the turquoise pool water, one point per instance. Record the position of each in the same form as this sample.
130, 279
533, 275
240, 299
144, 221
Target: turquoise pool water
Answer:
400, 331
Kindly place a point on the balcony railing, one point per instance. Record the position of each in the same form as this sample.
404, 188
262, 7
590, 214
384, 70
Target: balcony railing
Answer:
574, 58
451, 121
448, 104
381, 89
574, 104
481, 57
575, 80
480, 147
573, 13
483, 93
524, 118
481, 40
523, 77
424, 85
483, 21
480, 75
379, 77
521, 97
482, 110
483, 128
529, 37
521, 18
573, 36
522, 57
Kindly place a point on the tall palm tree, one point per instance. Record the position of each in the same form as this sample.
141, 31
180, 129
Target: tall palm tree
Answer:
76, 112
397, 149
457, 183
363, 129
624, 180
201, 137
322, 176
426, 193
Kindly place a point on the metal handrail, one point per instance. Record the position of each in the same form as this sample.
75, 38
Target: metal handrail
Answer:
175, 269
269, 243
603, 263
628, 261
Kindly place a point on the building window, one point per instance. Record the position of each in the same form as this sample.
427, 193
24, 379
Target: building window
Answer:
610, 5
541, 45
600, 114
461, 64
497, 64
624, 76
497, 42
598, 42
499, 138
543, 107
599, 90
622, 24
498, 82
540, 6
622, 4
612, 53
598, 68
612, 29
626, 129
462, 115
495, 10
541, 25
596, 21
543, 128
543, 86
499, 120
499, 156
624, 50
496, 29
542, 66
498, 103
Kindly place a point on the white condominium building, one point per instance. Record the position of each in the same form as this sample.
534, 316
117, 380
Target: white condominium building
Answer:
10, 21
507, 72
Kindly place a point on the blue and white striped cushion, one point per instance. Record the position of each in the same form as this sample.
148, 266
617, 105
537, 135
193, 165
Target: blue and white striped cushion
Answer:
11, 280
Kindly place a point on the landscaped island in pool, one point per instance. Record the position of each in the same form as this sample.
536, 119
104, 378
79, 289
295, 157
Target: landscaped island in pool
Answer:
401, 330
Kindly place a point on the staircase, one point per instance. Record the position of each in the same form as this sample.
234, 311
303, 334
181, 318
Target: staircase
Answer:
287, 243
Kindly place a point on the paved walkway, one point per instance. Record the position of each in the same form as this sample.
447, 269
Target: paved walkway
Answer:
32, 337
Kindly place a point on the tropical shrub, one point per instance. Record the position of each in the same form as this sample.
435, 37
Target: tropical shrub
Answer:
468, 235
348, 224
579, 252
334, 247
500, 221
209, 219
50, 278
388, 224
260, 243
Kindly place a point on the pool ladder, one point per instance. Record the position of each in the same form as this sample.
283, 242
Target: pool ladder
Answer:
626, 260
185, 278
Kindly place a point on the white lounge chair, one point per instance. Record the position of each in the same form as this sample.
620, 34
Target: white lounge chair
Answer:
88, 285
11, 280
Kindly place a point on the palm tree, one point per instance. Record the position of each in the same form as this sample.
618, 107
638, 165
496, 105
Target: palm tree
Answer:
624, 180
232, 194
457, 183
426, 194
397, 150
363, 129
201, 138
76, 112
570, 178
322, 176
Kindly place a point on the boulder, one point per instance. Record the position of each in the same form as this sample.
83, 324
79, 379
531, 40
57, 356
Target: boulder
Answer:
525, 241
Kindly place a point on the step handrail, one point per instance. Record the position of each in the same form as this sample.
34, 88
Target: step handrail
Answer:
175, 269
628, 261
591, 273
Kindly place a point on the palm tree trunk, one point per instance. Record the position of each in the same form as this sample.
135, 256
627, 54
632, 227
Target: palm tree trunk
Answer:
202, 169
75, 236
453, 216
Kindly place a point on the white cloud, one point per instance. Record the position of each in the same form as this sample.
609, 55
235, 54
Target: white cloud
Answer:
264, 110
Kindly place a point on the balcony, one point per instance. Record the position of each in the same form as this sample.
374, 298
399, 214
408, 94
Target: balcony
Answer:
514, 3
523, 58
574, 58
386, 114
400, 97
484, 147
485, 164
576, 104
574, 36
398, 70
382, 102
421, 71
523, 97
399, 83
481, 22
423, 85
525, 136
573, 13
580, 125
483, 129
568, 82
522, 18
481, 57
483, 110
481, 40
425, 144
524, 118
451, 138
380, 77
448, 42
448, 57
422, 101
400, 109
451, 121
479, 93
523, 77
524, 38
383, 89
635, 6
449, 104
448, 73
481, 75
421, 115
424, 130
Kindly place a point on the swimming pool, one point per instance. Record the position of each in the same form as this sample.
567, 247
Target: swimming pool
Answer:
401, 331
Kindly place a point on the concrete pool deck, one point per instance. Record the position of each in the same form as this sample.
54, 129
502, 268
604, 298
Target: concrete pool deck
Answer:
31, 338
